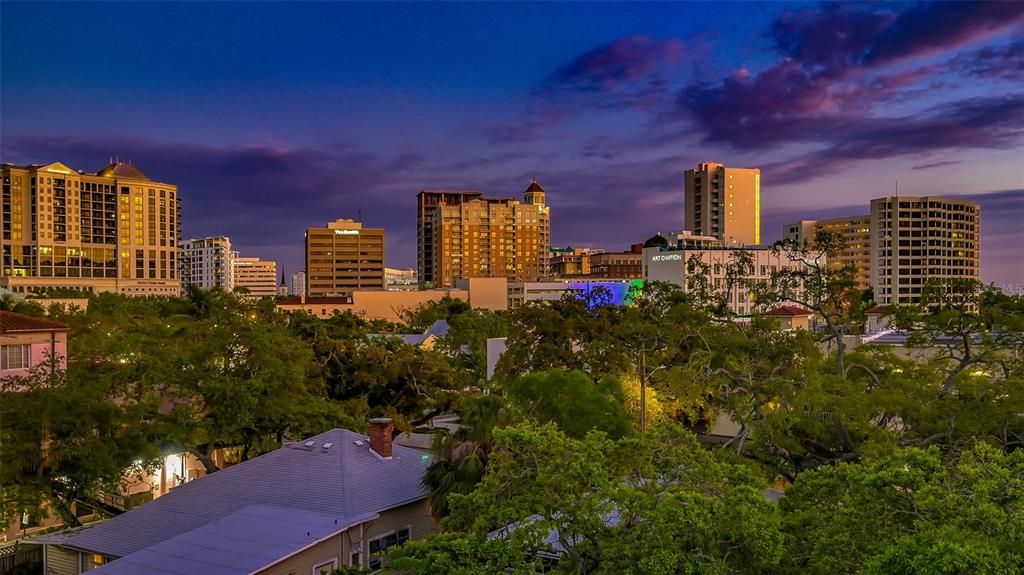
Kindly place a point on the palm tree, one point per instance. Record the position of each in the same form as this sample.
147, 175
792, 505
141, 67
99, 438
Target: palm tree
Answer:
462, 456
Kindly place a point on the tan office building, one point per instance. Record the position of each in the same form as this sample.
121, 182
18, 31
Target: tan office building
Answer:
916, 239
343, 257
855, 232
725, 203
255, 277
110, 231
466, 235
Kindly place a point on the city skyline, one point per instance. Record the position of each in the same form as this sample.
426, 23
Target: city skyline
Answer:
350, 113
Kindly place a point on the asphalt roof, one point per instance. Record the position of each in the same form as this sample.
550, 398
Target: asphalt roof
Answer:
236, 544
11, 322
344, 480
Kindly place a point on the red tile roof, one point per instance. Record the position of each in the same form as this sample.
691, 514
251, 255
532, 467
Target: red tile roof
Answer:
296, 300
789, 311
11, 322
879, 310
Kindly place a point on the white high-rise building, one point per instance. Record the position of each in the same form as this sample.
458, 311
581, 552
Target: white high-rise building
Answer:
298, 283
207, 263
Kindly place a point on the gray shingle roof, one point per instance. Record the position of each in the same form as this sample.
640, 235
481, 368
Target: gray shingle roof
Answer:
236, 544
345, 481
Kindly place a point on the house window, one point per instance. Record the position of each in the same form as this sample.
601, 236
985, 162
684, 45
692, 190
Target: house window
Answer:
326, 567
380, 545
14, 356
354, 560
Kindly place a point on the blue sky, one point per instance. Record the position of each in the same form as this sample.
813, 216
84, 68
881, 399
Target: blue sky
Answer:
274, 117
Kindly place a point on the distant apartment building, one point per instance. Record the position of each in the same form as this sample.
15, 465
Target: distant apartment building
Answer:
916, 239
724, 203
671, 265
298, 286
855, 232
343, 257
467, 235
255, 277
617, 265
569, 261
400, 279
207, 263
110, 231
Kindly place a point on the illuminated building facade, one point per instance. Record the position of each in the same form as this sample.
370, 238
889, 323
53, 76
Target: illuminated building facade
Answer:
343, 257
466, 235
114, 230
855, 232
724, 203
915, 239
207, 263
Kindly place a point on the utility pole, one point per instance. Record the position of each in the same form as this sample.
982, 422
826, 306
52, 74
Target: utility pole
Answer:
643, 390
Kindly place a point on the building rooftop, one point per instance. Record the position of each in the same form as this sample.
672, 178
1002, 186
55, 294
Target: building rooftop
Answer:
122, 170
237, 544
789, 311
333, 474
11, 322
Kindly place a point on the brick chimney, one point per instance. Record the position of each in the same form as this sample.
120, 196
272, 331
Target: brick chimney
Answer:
381, 429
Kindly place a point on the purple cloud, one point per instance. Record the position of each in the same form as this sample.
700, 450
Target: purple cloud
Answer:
939, 164
935, 27
828, 40
1004, 62
623, 61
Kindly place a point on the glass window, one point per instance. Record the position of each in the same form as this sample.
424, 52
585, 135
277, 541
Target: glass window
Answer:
325, 568
14, 356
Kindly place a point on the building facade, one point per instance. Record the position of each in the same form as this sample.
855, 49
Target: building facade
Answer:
672, 265
400, 279
569, 261
110, 231
916, 239
258, 278
298, 286
207, 263
725, 203
855, 232
466, 235
343, 257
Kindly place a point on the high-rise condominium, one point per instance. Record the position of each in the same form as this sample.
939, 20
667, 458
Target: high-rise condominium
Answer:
724, 203
343, 257
298, 286
915, 239
207, 263
256, 277
855, 232
466, 235
113, 230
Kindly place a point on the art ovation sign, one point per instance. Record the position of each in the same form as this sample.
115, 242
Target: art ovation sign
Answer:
667, 258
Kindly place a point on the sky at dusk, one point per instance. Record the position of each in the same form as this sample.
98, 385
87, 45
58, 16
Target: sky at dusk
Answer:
276, 117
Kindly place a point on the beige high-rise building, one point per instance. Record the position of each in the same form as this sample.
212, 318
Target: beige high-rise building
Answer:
258, 278
855, 232
466, 235
915, 239
110, 231
725, 203
343, 257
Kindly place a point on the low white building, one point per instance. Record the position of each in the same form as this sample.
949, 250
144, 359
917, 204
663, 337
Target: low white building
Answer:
671, 265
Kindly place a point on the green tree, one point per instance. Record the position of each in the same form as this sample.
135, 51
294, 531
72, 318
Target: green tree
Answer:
910, 513
65, 441
653, 503
572, 401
